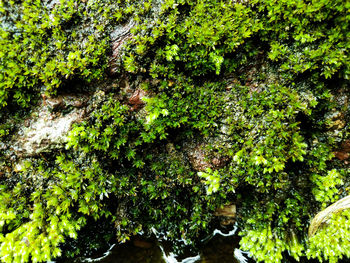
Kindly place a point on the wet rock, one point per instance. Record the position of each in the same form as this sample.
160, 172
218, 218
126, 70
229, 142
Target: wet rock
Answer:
342, 99
198, 157
135, 101
64, 101
226, 210
118, 37
47, 133
47, 127
201, 158
53, 104
322, 217
227, 214
336, 120
343, 153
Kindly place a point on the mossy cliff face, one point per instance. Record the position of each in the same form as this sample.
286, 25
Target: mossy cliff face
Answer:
159, 114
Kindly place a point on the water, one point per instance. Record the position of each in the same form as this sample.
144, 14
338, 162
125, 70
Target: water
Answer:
219, 247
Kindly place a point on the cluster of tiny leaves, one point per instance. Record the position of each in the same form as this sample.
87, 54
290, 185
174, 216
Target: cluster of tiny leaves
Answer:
266, 138
48, 204
144, 174
45, 44
331, 242
181, 50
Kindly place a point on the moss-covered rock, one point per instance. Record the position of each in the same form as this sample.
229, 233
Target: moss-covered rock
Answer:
199, 105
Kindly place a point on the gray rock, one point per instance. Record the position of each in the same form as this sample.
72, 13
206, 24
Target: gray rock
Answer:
47, 128
118, 37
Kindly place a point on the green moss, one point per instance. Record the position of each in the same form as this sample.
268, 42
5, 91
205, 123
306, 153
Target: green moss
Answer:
43, 47
331, 242
253, 79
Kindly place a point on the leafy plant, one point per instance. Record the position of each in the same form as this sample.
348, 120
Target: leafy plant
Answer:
252, 80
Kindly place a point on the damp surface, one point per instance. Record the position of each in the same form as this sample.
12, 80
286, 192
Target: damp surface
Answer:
219, 247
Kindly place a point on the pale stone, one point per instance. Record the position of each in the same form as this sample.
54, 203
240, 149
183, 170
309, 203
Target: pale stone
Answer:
323, 216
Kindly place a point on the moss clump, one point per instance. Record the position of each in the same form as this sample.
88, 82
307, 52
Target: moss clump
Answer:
44, 44
252, 79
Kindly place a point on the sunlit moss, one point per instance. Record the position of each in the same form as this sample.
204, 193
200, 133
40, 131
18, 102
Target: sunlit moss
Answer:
252, 79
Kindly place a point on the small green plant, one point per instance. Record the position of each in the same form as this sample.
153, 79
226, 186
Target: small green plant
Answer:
43, 47
251, 79
331, 242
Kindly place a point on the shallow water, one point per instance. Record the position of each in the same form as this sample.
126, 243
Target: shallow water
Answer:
218, 248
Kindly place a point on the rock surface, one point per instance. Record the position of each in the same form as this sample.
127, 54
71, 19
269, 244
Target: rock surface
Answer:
227, 214
47, 127
343, 153
322, 217
201, 158
118, 37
